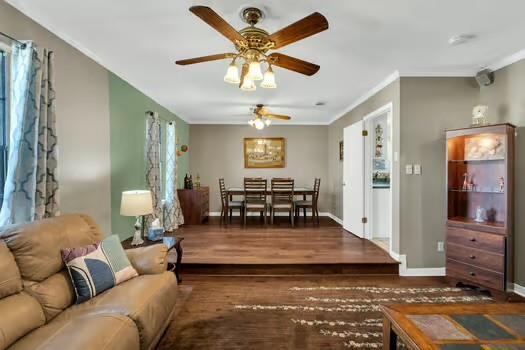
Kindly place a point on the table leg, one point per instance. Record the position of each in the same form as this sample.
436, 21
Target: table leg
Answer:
389, 336
178, 264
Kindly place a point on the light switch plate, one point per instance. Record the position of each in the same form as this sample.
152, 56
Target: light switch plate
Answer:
417, 169
409, 170
441, 246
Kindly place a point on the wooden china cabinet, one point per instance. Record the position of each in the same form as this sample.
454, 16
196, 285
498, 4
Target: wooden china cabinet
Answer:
480, 199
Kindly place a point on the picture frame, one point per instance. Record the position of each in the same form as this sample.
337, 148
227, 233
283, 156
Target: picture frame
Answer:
264, 152
341, 150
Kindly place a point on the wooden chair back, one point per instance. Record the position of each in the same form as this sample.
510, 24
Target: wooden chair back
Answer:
224, 193
255, 190
282, 190
317, 185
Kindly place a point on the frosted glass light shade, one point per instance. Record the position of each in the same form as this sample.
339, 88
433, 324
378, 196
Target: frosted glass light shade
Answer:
248, 85
268, 122
269, 79
254, 71
232, 74
136, 203
259, 124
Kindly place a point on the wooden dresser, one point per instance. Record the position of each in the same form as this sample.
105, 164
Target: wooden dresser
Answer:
195, 205
480, 197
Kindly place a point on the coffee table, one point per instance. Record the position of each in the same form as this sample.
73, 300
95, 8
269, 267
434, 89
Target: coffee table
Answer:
455, 327
171, 241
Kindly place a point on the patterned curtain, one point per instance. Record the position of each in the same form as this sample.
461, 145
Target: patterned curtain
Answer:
31, 188
153, 164
173, 214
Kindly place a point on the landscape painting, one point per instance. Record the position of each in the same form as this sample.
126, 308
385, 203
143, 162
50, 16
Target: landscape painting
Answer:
264, 152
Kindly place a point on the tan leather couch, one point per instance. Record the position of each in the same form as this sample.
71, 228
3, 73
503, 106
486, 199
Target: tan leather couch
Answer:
37, 309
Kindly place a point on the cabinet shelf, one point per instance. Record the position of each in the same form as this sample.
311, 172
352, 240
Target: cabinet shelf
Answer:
482, 192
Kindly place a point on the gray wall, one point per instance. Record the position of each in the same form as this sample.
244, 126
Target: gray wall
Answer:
506, 101
217, 151
428, 107
82, 110
335, 134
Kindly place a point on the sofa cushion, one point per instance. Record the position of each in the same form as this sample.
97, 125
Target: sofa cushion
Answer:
19, 314
54, 294
152, 259
97, 267
10, 281
98, 332
36, 245
148, 300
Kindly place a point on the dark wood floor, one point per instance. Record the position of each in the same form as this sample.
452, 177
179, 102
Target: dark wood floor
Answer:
279, 249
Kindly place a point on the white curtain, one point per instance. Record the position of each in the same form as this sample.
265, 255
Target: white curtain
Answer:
153, 177
31, 187
173, 214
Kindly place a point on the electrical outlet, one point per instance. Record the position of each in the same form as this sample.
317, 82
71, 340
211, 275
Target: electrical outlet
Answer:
417, 169
408, 169
441, 246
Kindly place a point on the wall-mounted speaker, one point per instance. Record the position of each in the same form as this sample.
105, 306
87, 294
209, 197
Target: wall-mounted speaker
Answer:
485, 77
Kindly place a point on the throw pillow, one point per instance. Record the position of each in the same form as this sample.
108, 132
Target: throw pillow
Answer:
97, 267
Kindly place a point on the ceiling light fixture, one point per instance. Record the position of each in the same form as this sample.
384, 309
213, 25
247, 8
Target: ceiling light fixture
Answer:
253, 43
262, 117
460, 39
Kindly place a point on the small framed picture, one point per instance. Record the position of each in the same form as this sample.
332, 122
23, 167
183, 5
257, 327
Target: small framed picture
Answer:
341, 150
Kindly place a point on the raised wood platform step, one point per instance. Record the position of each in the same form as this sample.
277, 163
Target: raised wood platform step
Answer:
291, 269
211, 249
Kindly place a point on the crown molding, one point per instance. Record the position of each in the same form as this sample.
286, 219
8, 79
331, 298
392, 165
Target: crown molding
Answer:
384, 83
507, 61
236, 122
75, 44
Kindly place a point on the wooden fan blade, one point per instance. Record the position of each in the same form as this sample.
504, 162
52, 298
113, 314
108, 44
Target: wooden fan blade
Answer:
216, 57
299, 30
292, 63
217, 22
277, 116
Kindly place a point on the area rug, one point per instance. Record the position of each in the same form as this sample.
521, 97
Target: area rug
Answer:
298, 313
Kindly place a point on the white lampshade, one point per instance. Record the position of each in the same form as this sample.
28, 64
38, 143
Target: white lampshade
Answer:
269, 79
248, 85
254, 71
136, 203
232, 74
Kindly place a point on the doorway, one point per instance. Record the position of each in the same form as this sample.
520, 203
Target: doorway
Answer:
369, 178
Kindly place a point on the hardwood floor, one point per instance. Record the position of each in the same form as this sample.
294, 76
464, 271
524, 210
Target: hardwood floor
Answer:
256, 249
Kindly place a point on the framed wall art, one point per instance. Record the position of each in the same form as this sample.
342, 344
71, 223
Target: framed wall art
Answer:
263, 152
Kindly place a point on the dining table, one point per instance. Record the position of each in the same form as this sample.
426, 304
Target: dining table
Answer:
239, 191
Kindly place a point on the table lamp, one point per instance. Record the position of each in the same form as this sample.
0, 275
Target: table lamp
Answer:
138, 204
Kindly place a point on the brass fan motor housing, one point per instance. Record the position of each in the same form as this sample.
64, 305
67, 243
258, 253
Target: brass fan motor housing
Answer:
257, 39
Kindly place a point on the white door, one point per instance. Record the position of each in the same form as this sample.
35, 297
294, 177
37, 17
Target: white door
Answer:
353, 179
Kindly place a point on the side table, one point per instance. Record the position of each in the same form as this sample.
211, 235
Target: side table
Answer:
172, 242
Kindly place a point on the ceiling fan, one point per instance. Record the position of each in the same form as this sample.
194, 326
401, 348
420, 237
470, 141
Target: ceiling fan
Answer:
262, 117
253, 43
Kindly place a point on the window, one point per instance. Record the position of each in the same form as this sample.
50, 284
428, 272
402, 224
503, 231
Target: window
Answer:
4, 124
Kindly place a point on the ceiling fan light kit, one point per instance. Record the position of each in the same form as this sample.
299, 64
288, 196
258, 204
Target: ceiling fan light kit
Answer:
262, 118
252, 45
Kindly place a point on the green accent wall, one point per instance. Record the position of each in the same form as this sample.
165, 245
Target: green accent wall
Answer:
127, 141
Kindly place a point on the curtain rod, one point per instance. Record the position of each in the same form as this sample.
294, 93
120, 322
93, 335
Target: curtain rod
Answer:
15, 40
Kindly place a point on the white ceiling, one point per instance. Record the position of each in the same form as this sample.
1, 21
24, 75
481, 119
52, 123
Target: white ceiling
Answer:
367, 41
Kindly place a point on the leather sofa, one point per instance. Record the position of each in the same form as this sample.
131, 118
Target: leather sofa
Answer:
37, 299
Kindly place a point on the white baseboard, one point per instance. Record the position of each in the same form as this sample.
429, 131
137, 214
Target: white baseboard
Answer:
520, 290
416, 272
335, 218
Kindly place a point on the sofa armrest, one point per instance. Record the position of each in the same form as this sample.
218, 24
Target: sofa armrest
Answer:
149, 260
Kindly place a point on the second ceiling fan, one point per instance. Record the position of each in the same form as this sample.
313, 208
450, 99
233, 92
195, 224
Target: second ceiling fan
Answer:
253, 43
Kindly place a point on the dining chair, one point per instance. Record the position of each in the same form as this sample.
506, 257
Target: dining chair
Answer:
255, 197
282, 199
310, 204
228, 205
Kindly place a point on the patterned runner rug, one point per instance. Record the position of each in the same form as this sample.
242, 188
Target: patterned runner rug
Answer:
298, 313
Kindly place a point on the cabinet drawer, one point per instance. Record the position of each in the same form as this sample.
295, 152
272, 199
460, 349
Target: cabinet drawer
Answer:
476, 257
474, 239
476, 275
